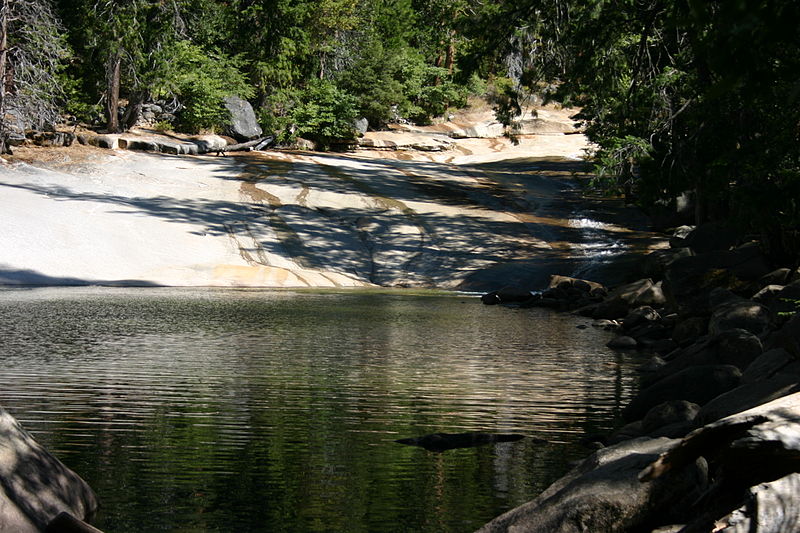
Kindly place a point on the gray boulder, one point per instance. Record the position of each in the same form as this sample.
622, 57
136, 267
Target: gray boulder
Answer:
769, 508
734, 347
361, 125
711, 237
788, 337
671, 412
603, 495
770, 363
740, 314
746, 449
623, 342
36, 487
243, 124
747, 396
626, 297
697, 384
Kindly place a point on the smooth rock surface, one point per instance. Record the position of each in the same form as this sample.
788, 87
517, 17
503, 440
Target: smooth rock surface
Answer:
603, 495
35, 486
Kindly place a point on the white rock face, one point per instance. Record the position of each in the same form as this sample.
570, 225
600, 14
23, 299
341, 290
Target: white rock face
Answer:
266, 219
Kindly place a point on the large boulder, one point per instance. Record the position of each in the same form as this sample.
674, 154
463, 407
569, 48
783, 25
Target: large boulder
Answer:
604, 495
770, 507
242, 124
769, 364
697, 384
711, 237
747, 396
734, 347
740, 314
745, 449
629, 296
35, 487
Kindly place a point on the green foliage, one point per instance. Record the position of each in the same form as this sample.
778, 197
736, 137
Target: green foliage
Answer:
200, 81
679, 96
324, 114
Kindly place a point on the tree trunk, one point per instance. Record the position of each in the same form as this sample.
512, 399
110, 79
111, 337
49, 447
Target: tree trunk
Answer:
134, 110
112, 93
4, 7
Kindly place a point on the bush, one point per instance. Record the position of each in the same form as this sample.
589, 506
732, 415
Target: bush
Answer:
323, 113
200, 81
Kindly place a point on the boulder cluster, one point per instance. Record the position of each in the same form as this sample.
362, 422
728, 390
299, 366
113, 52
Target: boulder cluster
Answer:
712, 439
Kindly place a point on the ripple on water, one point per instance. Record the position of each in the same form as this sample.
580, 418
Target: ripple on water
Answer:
267, 411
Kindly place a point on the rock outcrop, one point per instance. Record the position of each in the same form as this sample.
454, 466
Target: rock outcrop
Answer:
36, 487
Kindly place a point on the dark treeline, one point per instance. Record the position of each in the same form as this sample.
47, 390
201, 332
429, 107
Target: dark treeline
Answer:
679, 96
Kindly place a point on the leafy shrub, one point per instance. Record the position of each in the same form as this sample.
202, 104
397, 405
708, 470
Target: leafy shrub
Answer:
324, 113
201, 81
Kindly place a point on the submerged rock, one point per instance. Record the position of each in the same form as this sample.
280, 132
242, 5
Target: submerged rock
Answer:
440, 442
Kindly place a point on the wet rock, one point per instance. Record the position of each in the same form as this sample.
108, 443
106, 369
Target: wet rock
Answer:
670, 412
653, 364
697, 384
440, 442
640, 316
242, 123
660, 346
36, 485
512, 294
633, 430
605, 324
623, 342
603, 495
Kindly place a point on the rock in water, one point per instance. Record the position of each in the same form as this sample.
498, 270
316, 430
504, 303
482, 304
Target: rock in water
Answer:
440, 442
36, 486
243, 123
604, 495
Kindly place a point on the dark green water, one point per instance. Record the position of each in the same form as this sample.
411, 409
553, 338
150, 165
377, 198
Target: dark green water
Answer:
245, 410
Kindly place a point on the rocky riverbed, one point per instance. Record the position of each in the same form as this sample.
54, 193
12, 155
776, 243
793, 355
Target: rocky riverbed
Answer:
711, 441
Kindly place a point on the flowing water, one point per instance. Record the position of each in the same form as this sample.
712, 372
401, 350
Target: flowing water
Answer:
252, 410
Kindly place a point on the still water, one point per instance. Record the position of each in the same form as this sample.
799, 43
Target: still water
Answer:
249, 410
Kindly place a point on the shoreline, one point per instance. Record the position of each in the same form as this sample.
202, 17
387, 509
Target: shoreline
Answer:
701, 444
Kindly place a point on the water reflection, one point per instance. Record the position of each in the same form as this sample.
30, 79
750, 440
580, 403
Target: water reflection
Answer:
247, 410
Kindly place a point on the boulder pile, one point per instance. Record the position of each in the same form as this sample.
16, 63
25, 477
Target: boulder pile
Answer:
718, 328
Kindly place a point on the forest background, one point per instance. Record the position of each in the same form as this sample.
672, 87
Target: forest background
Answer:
682, 98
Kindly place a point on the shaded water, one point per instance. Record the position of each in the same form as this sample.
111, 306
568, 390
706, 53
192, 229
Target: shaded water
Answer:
250, 410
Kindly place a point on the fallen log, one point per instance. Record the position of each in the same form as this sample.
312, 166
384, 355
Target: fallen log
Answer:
257, 144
